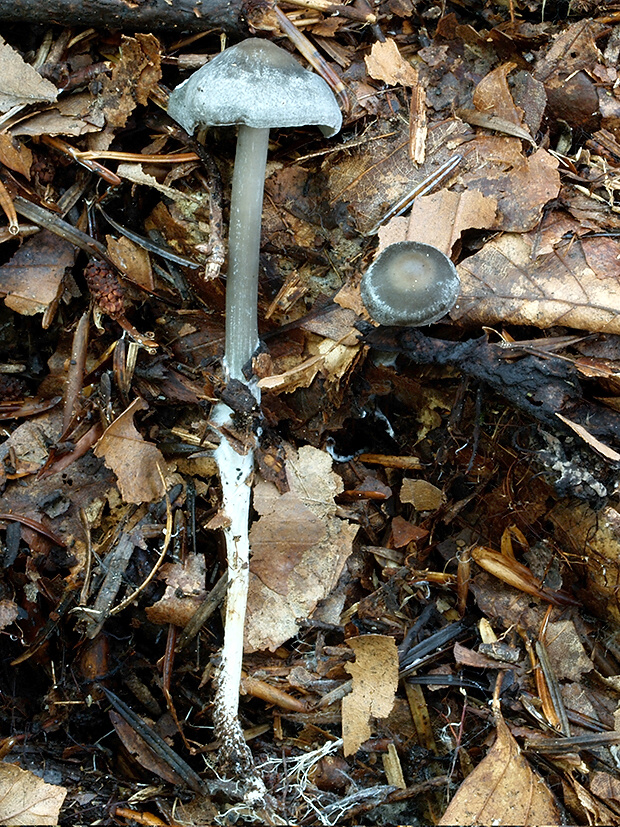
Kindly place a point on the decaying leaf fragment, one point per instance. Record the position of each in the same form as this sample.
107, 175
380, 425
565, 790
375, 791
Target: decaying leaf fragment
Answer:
375, 681
132, 260
594, 810
594, 536
138, 464
299, 548
133, 78
521, 185
27, 799
492, 97
423, 495
141, 751
502, 789
565, 651
576, 285
32, 280
439, 219
9, 612
20, 83
375, 177
185, 591
15, 155
328, 358
386, 63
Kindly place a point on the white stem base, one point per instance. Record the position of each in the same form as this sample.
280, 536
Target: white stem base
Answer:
236, 476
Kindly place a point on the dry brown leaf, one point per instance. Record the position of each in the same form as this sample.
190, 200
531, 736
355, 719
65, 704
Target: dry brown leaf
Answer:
27, 799
594, 536
29, 443
15, 155
72, 115
592, 441
516, 574
331, 359
565, 70
84, 486
467, 657
185, 591
386, 63
566, 652
423, 495
605, 786
495, 124
299, 548
134, 76
572, 50
375, 681
595, 811
142, 752
136, 462
136, 174
439, 219
32, 279
20, 83
492, 95
403, 532
131, 260
284, 542
521, 185
577, 285
502, 789
495, 107
371, 178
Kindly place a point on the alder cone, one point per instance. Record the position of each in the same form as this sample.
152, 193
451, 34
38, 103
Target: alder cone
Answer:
42, 169
105, 287
11, 388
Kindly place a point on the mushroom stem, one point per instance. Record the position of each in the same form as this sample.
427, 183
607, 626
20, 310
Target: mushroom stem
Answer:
235, 476
246, 210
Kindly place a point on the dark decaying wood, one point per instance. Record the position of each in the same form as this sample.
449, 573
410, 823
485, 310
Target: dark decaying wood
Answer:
182, 15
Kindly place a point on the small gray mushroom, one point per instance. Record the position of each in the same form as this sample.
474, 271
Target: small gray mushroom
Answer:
256, 85
410, 284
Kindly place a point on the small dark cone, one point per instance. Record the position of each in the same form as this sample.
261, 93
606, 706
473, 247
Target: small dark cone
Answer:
105, 287
12, 388
42, 169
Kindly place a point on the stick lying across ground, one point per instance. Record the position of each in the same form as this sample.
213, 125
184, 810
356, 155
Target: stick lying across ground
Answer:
182, 15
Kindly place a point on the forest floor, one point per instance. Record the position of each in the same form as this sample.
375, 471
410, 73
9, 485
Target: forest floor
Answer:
433, 615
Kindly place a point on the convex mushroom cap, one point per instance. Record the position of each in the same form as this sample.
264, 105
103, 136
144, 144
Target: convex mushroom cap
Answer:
410, 284
258, 84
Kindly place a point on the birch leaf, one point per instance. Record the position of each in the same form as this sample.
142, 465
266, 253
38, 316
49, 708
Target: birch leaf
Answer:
502, 789
575, 285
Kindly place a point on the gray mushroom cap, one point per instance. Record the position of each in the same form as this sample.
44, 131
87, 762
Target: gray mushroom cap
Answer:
410, 284
258, 84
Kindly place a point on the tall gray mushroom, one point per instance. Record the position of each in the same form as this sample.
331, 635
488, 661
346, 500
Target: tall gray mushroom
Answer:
257, 86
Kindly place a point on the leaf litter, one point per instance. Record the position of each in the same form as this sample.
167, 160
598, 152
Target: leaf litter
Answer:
434, 533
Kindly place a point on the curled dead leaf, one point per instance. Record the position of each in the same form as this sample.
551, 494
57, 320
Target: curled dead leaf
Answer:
517, 575
138, 464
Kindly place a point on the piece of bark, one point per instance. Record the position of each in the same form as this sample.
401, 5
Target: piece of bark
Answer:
186, 15
539, 386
